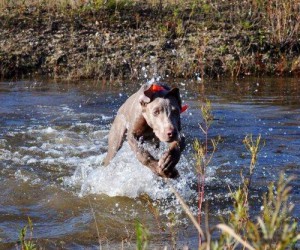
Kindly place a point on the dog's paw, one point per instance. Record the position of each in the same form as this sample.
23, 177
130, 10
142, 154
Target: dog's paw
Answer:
167, 173
173, 174
167, 163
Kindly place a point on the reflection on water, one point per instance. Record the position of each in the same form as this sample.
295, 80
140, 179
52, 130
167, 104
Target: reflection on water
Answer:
53, 138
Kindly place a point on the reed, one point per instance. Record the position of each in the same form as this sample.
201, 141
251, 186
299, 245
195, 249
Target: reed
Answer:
142, 235
203, 155
26, 241
273, 228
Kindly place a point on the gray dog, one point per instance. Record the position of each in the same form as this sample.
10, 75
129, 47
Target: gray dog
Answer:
151, 114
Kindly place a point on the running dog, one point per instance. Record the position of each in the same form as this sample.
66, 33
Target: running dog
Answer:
151, 114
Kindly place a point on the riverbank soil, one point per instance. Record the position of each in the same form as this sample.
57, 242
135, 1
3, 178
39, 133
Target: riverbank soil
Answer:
135, 39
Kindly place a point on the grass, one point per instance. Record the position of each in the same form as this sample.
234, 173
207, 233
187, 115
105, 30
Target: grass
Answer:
203, 156
272, 228
207, 38
25, 241
142, 235
279, 18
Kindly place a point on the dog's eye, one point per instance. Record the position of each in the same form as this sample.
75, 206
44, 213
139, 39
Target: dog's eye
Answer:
156, 112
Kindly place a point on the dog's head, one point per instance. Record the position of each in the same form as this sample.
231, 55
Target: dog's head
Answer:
161, 108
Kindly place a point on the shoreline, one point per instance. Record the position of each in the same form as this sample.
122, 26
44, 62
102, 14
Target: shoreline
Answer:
134, 41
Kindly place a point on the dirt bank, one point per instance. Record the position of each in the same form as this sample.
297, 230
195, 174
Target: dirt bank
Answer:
139, 40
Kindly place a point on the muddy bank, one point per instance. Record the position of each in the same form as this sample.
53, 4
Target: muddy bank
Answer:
139, 41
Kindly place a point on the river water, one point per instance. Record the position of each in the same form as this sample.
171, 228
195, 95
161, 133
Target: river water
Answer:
53, 138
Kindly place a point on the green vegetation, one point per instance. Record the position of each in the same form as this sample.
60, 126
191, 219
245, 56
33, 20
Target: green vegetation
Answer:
141, 236
272, 228
116, 39
26, 242
203, 156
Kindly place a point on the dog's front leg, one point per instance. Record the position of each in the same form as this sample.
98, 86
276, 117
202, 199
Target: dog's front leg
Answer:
171, 157
143, 155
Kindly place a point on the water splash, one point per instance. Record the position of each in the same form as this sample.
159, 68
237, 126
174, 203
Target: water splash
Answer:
126, 176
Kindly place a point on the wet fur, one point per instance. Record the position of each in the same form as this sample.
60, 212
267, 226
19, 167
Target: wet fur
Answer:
149, 115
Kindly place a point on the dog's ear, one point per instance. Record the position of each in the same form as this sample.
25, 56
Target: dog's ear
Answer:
175, 92
144, 100
149, 93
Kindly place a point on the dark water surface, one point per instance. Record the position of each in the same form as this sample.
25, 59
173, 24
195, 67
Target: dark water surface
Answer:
53, 137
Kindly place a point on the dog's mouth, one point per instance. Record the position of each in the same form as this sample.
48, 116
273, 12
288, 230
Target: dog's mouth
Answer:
168, 138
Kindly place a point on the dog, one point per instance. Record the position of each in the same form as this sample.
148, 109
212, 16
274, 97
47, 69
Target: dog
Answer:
151, 114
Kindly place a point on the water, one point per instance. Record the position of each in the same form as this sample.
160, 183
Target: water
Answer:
53, 138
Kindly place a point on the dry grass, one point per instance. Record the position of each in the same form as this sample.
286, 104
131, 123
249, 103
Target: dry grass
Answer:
204, 38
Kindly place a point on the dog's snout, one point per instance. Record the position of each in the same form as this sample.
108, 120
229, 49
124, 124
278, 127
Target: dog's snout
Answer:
171, 133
